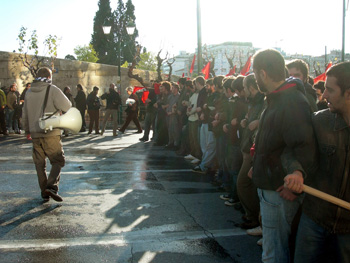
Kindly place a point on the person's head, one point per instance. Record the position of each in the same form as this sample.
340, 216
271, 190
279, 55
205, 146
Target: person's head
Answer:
250, 86
12, 88
210, 85
79, 87
298, 68
199, 82
28, 85
44, 72
182, 82
269, 68
189, 85
66, 90
237, 86
166, 85
319, 87
175, 89
217, 81
111, 86
227, 85
337, 90
95, 90
129, 90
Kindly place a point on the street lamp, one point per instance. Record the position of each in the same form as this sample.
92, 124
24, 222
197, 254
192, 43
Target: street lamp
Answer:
130, 28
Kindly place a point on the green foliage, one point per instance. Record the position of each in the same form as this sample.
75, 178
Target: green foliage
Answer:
86, 53
125, 65
30, 47
148, 62
117, 44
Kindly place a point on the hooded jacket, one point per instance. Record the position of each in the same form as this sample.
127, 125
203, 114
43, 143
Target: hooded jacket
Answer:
285, 141
33, 108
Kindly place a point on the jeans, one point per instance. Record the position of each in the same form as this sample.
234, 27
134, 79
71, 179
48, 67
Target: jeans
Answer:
316, 244
149, 122
277, 215
208, 146
10, 121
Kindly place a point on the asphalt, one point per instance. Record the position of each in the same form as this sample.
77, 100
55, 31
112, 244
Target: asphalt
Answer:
124, 201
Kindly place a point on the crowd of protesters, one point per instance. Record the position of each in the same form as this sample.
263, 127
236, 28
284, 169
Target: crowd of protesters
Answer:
259, 137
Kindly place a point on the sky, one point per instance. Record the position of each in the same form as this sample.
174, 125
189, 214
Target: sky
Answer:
298, 26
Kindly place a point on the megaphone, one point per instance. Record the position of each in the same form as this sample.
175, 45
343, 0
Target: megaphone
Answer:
71, 121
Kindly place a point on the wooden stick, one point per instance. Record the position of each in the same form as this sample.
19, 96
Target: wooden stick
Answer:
326, 197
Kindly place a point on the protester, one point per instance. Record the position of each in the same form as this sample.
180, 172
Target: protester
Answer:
3, 102
80, 102
246, 190
44, 97
324, 229
132, 111
12, 104
174, 131
161, 138
299, 69
113, 104
93, 102
321, 102
284, 144
150, 115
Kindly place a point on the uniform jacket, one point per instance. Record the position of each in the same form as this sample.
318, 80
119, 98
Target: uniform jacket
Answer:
332, 176
285, 140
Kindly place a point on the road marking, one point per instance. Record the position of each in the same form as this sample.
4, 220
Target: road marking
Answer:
119, 240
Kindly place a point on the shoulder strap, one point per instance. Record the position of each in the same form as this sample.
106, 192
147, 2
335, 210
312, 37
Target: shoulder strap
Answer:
45, 100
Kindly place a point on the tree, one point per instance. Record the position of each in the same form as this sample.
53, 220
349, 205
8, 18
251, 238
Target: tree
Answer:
147, 62
129, 42
28, 46
103, 44
86, 53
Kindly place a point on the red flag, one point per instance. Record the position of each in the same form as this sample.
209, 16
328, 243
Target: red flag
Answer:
246, 67
144, 93
156, 88
232, 71
206, 70
323, 75
183, 74
192, 65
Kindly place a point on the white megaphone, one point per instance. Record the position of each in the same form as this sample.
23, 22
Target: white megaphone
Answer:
71, 121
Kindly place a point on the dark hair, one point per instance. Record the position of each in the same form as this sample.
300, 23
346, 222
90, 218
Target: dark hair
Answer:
237, 84
65, 89
227, 83
320, 85
200, 80
251, 81
300, 65
182, 81
217, 81
96, 88
44, 72
166, 85
272, 62
210, 82
175, 85
189, 83
28, 84
79, 86
341, 72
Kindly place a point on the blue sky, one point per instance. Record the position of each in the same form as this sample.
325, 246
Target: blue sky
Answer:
303, 26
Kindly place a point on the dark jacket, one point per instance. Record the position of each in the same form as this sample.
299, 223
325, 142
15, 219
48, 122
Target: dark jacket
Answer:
113, 100
237, 109
256, 106
285, 140
332, 177
221, 104
93, 101
134, 107
80, 100
202, 99
310, 94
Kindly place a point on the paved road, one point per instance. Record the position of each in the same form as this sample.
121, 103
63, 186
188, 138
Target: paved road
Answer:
124, 201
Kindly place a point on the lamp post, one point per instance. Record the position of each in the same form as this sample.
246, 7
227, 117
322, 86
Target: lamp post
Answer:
130, 28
